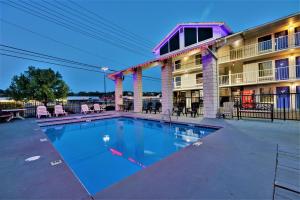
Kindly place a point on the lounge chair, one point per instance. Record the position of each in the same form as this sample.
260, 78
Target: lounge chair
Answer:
157, 107
58, 110
227, 109
98, 108
42, 111
6, 116
85, 109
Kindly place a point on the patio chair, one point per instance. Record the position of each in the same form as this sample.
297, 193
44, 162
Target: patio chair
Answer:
42, 111
227, 109
157, 107
128, 107
6, 116
58, 110
85, 109
98, 108
147, 108
178, 109
194, 110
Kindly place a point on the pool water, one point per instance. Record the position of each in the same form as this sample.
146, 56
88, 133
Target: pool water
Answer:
103, 152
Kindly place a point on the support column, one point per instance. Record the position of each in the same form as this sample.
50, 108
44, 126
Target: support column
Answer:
167, 87
118, 92
138, 90
210, 85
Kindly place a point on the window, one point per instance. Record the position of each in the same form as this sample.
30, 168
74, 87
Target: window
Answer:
281, 40
297, 36
282, 69
266, 95
204, 34
298, 67
199, 78
177, 81
265, 69
174, 42
198, 59
190, 36
265, 43
177, 64
164, 49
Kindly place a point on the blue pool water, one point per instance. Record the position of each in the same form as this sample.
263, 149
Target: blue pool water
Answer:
104, 152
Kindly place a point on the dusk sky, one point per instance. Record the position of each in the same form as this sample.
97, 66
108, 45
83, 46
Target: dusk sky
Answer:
150, 20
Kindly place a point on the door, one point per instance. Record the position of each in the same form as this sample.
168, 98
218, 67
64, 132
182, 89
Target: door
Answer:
264, 43
298, 67
298, 97
297, 36
283, 97
281, 40
282, 69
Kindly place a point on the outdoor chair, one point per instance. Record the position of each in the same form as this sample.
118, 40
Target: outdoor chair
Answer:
98, 108
227, 109
194, 110
157, 107
128, 107
178, 109
6, 116
85, 109
58, 110
42, 111
148, 107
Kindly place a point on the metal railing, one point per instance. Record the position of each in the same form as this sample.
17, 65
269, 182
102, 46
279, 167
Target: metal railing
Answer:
186, 84
256, 49
261, 76
195, 63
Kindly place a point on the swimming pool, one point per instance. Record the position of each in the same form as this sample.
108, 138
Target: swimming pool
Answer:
101, 153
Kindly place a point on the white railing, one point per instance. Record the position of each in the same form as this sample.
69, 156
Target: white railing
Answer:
186, 84
247, 51
261, 76
188, 65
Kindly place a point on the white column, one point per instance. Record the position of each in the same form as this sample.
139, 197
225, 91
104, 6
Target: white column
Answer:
138, 90
210, 85
167, 86
118, 92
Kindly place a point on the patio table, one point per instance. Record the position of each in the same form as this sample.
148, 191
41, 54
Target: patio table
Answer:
15, 112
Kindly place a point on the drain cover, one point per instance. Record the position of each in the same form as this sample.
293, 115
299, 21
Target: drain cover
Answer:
55, 162
33, 158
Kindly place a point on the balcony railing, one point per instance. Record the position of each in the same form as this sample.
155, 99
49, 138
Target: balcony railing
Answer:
261, 76
186, 84
256, 49
196, 63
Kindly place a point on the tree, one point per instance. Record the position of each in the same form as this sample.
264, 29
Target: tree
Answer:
38, 84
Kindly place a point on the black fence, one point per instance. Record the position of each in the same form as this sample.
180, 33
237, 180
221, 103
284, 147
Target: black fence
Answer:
71, 107
284, 106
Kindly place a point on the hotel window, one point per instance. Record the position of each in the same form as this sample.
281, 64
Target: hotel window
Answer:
174, 42
204, 34
190, 36
281, 40
266, 95
199, 78
198, 59
177, 81
177, 64
298, 67
265, 43
265, 69
164, 49
297, 36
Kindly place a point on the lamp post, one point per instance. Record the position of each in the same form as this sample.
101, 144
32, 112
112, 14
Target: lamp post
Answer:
104, 69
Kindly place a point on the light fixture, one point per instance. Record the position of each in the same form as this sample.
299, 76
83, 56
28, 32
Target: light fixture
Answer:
104, 68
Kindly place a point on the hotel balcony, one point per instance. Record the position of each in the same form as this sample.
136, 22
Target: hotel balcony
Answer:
191, 66
261, 76
261, 49
188, 84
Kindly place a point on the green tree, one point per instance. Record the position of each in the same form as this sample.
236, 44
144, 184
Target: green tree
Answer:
43, 85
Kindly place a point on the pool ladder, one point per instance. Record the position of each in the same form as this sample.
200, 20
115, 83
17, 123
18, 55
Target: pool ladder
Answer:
167, 113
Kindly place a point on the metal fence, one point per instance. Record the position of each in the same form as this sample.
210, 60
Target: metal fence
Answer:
285, 106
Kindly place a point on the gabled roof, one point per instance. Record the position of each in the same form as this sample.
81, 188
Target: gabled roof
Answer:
191, 24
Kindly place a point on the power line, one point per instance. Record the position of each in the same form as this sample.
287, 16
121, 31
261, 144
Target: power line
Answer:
104, 26
67, 26
109, 23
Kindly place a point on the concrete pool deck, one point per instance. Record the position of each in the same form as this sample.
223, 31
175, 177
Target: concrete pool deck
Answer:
238, 161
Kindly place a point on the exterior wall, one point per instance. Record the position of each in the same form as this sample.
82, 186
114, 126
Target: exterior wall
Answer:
118, 93
138, 90
210, 85
167, 87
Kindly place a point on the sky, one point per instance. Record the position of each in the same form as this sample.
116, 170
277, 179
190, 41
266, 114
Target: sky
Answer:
149, 21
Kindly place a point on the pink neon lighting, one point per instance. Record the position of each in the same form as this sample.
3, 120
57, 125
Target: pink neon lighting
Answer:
115, 152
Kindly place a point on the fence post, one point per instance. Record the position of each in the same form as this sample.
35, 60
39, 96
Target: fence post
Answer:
284, 117
272, 112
